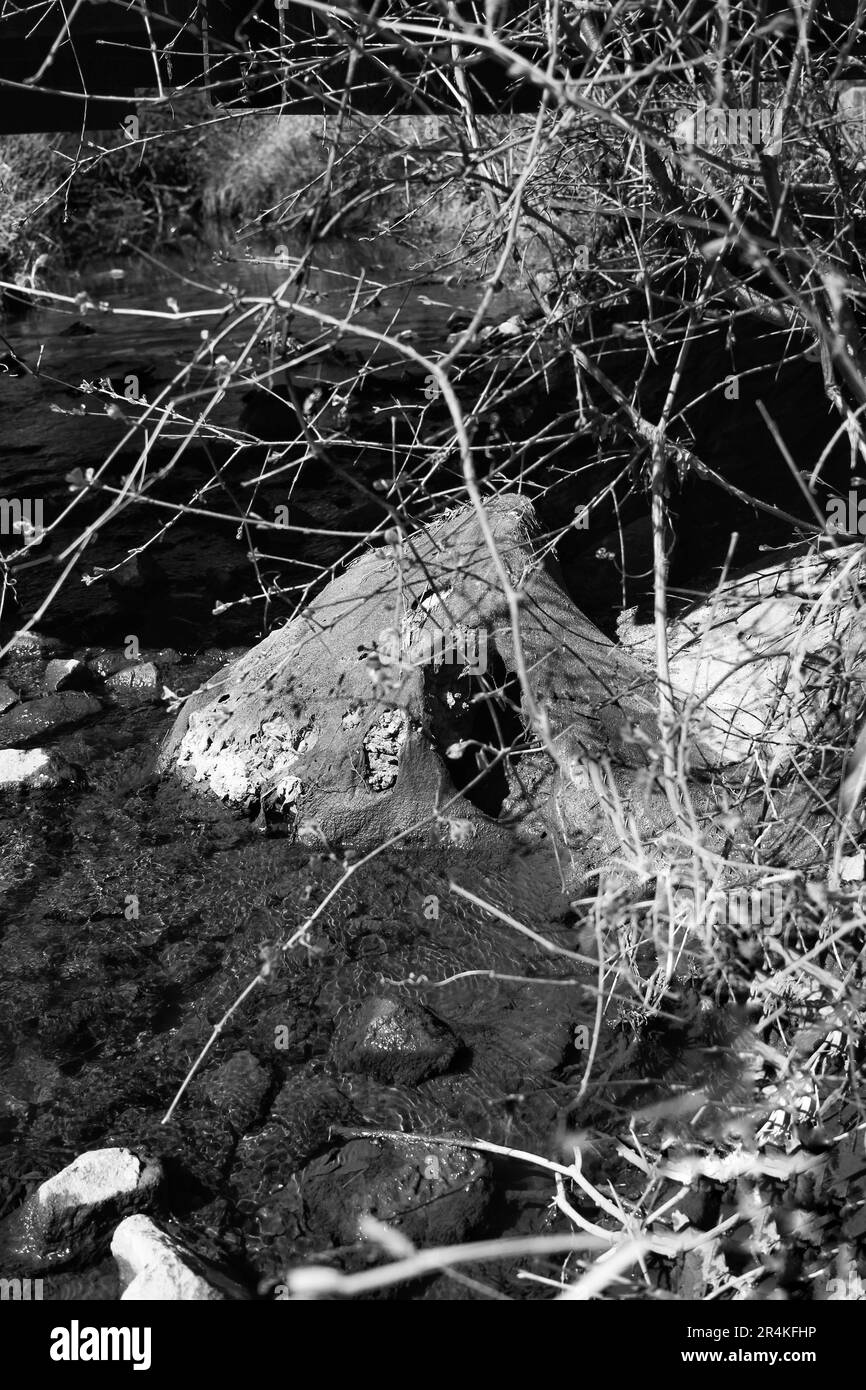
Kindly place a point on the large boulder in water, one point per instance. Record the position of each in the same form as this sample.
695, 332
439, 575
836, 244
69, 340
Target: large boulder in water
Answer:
390, 703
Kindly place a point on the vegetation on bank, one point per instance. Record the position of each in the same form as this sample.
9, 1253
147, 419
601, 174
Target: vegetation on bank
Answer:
197, 173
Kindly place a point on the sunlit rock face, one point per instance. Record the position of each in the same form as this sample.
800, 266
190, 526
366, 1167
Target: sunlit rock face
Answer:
755, 665
401, 701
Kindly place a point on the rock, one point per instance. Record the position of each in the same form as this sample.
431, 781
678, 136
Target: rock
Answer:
345, 725
134, 680
35, 718
35, 769
238, 1089
165, 656
70, 1215
153, 1265
67, 675
756, 659
33, 644
395, 1041
430, 1193
8, 697
301, 1124
104, 664
26, 1079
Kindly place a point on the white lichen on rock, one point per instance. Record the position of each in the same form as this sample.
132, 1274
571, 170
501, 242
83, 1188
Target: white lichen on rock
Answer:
233, 770
383, 744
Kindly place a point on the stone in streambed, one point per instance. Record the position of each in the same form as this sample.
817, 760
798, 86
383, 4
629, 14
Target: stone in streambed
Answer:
70, 1216
395, 1041
301, 1124
140, 679
8, 697
237, 1088
105, 663
33, 644
33, 769
431, 1193
37, 718
154, 1265
67, 675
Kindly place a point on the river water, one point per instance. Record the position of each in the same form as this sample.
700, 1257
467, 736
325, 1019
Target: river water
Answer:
141, 343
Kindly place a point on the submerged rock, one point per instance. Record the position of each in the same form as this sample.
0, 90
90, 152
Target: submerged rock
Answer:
154, 1265
37, 718
392, 704
301, 1124
238, 1089
8, 697
430, 1193
69, 1216
394, 1041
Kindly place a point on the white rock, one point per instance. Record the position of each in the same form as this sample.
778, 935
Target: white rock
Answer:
753, 660
32, 767
70, 1213
155, 1266
97, 1177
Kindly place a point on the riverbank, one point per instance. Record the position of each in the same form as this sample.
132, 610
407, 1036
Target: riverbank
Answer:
193, 174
